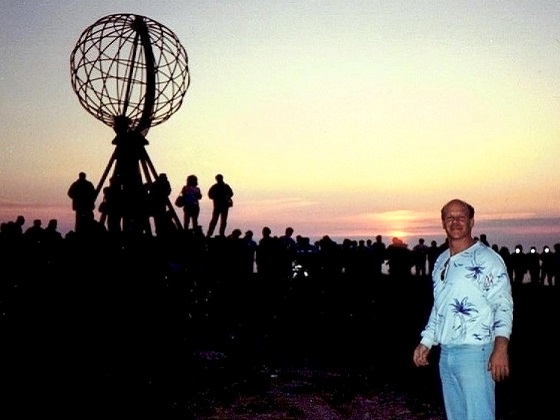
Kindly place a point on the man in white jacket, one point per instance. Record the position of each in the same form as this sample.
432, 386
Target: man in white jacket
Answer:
471, 319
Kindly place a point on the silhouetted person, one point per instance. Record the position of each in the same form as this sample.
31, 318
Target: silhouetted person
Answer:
191, 207
53, 241
13, 231
547, 266
483, 238
288, 250
267, 253
362, 259
330, 255
220, 193
534, 265
33, 247
398, 258
419, 255
18, 226
250, 252
159, 192
306, 254
556, 264
518, 264
51, 234
378, 256
433, 253
12, 241
34, 234
111, 207
506, 256
235, 252
82, 193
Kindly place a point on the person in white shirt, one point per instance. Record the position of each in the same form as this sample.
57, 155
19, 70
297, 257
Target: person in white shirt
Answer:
471, 319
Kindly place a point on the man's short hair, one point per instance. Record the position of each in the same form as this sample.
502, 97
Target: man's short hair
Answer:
467, 206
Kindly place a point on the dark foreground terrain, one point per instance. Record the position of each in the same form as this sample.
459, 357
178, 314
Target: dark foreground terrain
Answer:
134, 335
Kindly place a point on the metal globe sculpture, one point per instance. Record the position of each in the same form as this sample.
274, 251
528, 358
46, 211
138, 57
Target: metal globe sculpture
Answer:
130, 66
131, 73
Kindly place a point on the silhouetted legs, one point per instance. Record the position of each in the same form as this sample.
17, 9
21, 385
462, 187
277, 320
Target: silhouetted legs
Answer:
221, 214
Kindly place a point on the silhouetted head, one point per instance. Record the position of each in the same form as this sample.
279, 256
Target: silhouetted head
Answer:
219, 178
121, 124
192, 180
504, 250
82, 175
533, 250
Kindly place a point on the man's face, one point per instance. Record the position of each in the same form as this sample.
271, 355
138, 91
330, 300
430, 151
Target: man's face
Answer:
456, 222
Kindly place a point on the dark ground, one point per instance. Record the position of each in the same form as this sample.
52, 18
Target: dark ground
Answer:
128, 339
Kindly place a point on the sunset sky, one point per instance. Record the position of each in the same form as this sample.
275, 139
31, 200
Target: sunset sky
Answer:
346, 118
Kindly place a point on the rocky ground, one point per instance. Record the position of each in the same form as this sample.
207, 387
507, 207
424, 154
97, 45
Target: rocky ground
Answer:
321, 395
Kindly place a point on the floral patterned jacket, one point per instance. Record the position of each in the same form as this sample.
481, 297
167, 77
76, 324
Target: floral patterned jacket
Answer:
473, 302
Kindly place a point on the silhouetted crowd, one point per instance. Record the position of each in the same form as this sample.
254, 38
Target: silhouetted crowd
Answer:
286, 255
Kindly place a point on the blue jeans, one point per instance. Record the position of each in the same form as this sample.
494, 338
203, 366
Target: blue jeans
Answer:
468, 387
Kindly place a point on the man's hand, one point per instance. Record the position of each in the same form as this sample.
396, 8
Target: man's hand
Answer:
499, 359
420, 356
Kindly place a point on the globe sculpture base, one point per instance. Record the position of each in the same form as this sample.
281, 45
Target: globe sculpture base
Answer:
131, 202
